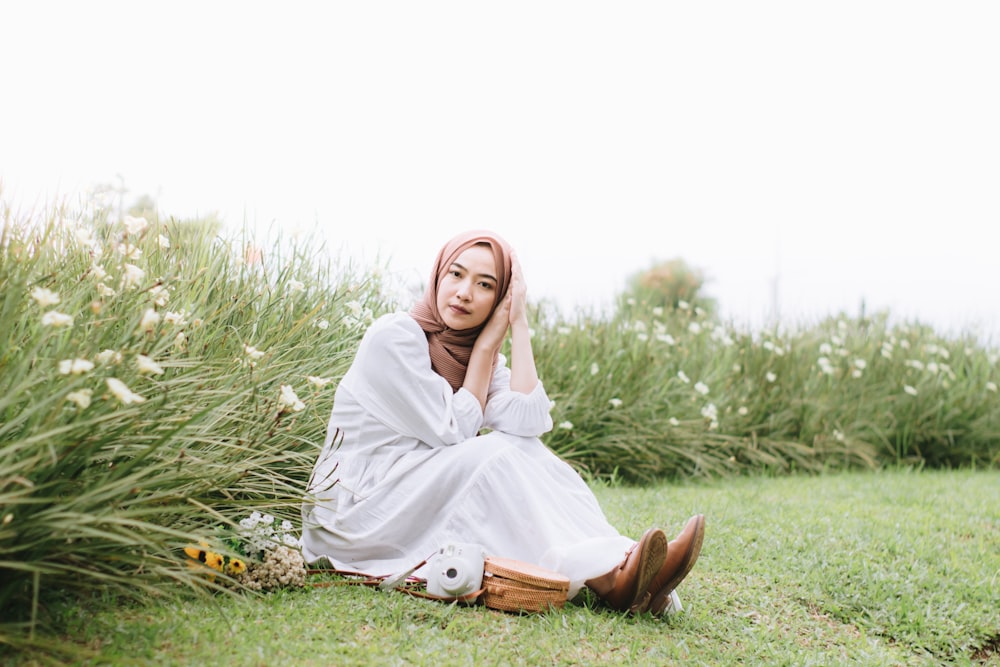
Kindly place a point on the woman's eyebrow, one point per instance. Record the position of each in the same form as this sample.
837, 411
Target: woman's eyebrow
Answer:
481, 275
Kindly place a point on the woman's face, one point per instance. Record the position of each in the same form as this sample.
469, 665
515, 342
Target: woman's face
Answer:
467, 292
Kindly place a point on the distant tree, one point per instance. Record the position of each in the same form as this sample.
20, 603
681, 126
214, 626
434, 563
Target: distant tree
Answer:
666, 285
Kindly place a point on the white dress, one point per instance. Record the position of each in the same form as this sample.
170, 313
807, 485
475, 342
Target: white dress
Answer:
412, 474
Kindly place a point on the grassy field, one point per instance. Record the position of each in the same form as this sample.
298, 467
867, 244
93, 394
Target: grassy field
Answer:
889, 568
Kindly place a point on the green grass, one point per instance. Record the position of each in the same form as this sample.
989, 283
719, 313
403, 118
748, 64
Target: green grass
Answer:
887, 568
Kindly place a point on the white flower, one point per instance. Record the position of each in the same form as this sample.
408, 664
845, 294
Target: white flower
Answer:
56, 319
122, 392
838, 435
147, 365
104, 290
133, 275
915, 363
563, 331
164, 242
666, 338
296, 286
81, 398
98, 272
44, 297
674, 421
771, 377
320, 382
710, 411
860, 364
657, 311
177, 319
642, 337
129, 251
160, 295
825, 365
288, 401
180, 341
135, 226
107, 356
594, 369
323, 324
991, 386
149, 320
683, 377
694, 328
701, 388
905, 344
856, 373
253, 352
567, 425
683, 305
825, 349
768, 345
932, 367
742, 411
75, 366
910, 390
85, 238
615, 402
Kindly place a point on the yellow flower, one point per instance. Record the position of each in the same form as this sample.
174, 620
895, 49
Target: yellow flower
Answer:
236, 566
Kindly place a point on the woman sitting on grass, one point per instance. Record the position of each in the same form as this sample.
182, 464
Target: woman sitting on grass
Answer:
413, 472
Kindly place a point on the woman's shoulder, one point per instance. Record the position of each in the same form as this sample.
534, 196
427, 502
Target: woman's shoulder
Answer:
395, 327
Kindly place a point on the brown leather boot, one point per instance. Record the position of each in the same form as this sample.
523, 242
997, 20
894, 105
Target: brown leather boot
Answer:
631, 590
682, 553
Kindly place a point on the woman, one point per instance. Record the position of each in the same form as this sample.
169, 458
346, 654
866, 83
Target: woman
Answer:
405, 471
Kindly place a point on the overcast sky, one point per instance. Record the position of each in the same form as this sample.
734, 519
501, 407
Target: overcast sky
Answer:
805, 155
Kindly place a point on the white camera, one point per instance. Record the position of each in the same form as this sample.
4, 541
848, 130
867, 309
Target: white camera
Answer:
456, 570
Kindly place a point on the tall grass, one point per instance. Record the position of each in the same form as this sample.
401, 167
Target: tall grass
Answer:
161, 380
159, 387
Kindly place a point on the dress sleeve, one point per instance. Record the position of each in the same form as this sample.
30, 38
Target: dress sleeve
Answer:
513, 412
392, 378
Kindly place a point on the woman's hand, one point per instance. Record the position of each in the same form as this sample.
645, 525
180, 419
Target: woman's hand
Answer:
517, 294
495, 330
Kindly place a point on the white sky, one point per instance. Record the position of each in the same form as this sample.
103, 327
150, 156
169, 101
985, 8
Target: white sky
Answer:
847, 150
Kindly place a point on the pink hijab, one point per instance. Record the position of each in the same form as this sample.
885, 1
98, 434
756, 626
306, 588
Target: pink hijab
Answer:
450, 350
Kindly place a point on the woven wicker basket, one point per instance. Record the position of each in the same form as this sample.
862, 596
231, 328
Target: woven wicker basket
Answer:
513, 585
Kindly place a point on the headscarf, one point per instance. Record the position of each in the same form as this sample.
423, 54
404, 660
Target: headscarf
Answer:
450, 349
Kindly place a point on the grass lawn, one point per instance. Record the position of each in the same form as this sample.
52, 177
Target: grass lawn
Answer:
889, 568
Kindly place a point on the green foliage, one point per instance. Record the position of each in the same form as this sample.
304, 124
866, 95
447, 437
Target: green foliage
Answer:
170, 393
890, 568
671, 285
650, 393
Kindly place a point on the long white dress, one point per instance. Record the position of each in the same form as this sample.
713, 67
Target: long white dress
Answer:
412, 474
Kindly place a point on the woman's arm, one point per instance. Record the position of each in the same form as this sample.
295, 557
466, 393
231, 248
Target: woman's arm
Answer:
523, 374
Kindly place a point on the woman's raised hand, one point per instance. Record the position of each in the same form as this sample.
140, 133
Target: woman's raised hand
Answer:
517, 294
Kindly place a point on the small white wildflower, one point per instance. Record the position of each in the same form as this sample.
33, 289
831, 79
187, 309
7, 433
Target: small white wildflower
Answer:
991, 386
253, 352
563, 331
288, 401
122, 392
296, 285
905, 344
133, 275
109, 356
98, 272
129, 251
915, 363
683, 305
683, 377
856, 373
319, 382
657, 311
701, 388
837, 340
163, 241
80, 397
147, 365
56, 319
666, 338
594, 368
709, 411
642, 337
826, 349
674, 421
742, 411
639, 325
75, 366
615, 402
771, 377
694, 328
838, 435
177, 319
944, 353
932, 367
566, 426
768, 345
825, 365
912, 391
85, 238
180, 341
44, 297
737, 368
860, 364
135, 226
160, 295
149, 320
105, 291
323, 324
